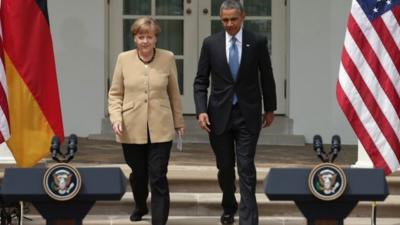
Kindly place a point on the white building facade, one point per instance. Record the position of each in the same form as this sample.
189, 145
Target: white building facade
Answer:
306, 39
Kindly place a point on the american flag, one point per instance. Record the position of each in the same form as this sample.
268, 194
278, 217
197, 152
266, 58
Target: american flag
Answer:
368, 89
4, 118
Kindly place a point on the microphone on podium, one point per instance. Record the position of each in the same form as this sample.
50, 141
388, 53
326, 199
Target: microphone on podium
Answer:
335, 147
319, 148
72, 147
55, 148
59, 156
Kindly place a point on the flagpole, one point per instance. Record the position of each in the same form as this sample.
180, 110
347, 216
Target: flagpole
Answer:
363, 160
6, 157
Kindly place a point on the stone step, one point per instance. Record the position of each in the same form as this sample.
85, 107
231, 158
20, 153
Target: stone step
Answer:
206, 220
209, 204
199, 179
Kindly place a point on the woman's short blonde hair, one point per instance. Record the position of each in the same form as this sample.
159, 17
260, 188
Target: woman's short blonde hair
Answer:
145, 25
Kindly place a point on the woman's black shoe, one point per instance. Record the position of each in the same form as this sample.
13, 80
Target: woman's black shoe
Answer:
137, 214
227, 218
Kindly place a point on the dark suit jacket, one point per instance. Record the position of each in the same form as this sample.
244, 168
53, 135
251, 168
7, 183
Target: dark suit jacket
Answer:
255, 81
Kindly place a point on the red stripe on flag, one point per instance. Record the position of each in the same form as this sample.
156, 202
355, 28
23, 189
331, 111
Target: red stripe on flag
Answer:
360, 130
370, 102
4, 103
388, 41
3, 95
1, 48
374, 63
396, 13
4, 124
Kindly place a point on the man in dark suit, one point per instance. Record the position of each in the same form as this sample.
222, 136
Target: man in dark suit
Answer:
241, 78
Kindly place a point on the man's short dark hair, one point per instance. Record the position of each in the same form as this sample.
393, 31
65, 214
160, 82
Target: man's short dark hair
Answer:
231, 4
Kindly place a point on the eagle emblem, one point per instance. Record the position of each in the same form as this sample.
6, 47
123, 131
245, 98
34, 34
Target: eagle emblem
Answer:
327, 181
62, 182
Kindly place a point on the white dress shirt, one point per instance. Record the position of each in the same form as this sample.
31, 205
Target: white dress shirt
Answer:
228, 43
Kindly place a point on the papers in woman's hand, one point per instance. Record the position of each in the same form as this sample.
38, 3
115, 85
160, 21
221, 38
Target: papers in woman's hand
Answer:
179, 142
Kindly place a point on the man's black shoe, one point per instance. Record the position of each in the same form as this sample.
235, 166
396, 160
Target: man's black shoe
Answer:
227, 218
138, 214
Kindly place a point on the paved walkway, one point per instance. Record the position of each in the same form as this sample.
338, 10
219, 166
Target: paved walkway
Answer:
110, 152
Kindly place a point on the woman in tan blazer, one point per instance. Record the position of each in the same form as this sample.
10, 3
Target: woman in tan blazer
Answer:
145, 112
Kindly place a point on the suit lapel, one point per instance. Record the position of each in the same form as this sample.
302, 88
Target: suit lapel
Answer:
245, 52
222, 53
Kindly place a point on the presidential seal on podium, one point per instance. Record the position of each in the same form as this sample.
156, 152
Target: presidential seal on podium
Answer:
62, 182
327, 181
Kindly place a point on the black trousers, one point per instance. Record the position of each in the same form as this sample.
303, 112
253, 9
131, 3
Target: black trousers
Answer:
237, 143
150, 162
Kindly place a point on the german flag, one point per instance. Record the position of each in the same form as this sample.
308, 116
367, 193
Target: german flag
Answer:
33, 99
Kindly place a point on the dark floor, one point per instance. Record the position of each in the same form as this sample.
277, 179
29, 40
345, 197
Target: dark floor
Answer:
110, 152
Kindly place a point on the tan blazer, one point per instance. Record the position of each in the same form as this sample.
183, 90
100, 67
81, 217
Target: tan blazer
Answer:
145, 95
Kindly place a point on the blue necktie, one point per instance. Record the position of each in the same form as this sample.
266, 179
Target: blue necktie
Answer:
234, 63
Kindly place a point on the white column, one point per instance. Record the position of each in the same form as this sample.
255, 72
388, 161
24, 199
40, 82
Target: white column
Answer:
363, 160
5, 155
